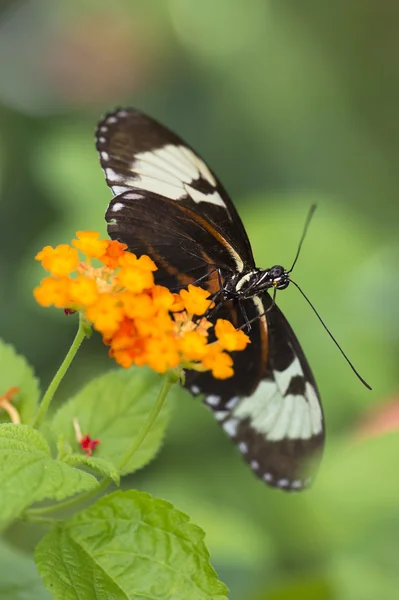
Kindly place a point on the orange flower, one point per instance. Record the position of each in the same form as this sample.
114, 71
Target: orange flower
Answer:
162, 297
128, 259
160, 323
135, 280
82, 291
162, 354
142, 323
220, 363
59, 261
52, 291
196, 300
178, 304
106, 313
112, 254
229, 337
138, 305
89, 243
193, 345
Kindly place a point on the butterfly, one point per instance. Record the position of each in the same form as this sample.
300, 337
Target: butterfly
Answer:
169, 205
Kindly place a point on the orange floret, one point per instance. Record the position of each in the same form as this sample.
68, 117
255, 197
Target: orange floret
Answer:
193, 345
83, 291
162, 353
106, 314
112, 254
138, 305
135, 280
52, 291
162, 297
220, 363
229, 337
196, 300
145, 263
89, 243
59, 261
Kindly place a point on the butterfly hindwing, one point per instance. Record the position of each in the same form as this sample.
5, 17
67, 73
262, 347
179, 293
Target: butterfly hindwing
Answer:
184, 248
271, 407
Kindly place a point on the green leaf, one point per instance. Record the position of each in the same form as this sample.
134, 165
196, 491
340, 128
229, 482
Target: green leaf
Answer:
98, 465
28, 474
15, 371
128, 545
113, 408
19, 579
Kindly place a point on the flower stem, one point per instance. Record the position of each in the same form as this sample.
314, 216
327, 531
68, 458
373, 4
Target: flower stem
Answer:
171, 378
52, 388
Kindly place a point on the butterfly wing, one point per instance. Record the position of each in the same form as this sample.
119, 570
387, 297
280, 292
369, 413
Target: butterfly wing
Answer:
271, 407
186, 248
139, 154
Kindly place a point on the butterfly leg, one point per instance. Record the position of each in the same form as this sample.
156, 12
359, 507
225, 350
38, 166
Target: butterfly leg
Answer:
247, 322
244, 314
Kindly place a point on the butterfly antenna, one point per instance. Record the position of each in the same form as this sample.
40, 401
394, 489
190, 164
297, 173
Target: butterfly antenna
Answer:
305, 229
332, 337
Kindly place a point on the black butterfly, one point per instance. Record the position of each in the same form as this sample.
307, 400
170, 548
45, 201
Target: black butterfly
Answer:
169, 204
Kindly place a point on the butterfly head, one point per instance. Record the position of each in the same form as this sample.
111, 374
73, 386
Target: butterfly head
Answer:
280, 278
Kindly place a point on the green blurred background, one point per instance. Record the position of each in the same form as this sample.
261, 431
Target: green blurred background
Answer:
291, 103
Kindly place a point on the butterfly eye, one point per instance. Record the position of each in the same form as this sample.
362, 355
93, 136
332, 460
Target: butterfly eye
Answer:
276, 272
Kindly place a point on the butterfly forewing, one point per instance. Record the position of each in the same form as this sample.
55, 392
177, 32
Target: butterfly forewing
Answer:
138, 153
169, 204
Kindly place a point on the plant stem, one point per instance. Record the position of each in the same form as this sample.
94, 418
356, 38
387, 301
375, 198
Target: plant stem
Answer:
171, 378
52, 388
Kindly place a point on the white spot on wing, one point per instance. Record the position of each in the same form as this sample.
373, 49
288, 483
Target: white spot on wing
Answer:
283, 483
230, 426
117, 206
254, 465
113, 177
195, 389
213, 400
243, 447
119, 189
220, 415
104, 155
297, 484
111, 120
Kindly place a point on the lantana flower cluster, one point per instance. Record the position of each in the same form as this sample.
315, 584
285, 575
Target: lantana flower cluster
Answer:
142, 323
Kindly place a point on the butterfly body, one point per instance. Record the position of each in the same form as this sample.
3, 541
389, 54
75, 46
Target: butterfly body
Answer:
170, 205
